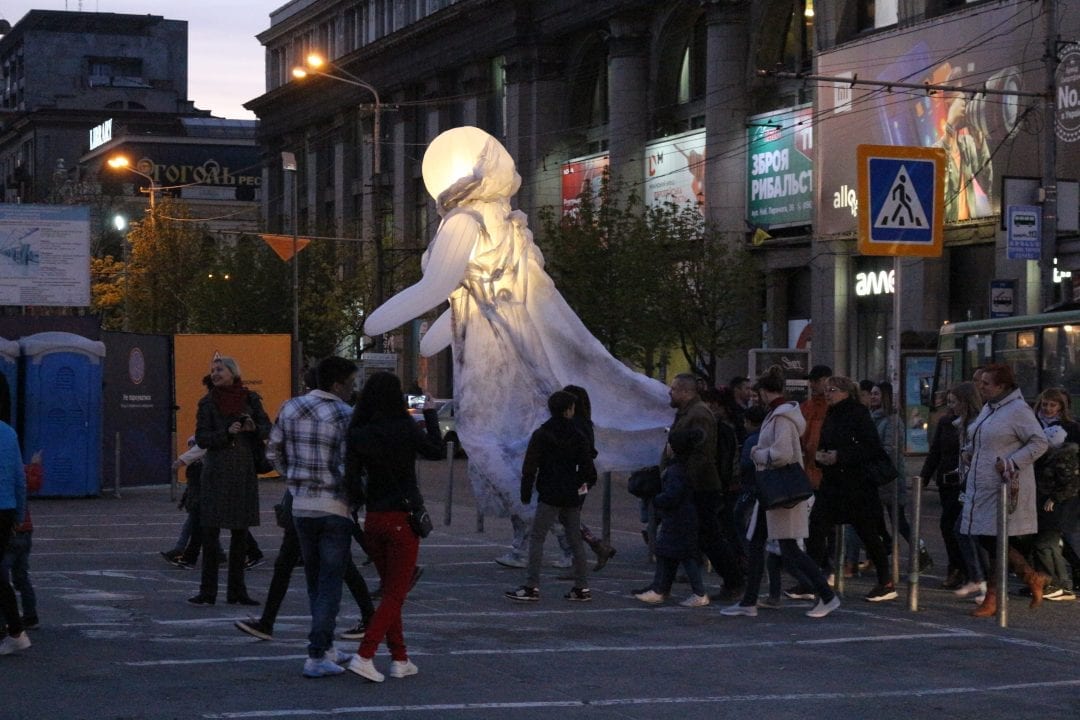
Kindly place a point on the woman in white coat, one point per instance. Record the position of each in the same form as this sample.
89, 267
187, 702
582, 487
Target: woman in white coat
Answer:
1002, 446
778, 445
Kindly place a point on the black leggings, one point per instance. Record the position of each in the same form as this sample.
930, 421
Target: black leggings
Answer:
8, 603
864, 515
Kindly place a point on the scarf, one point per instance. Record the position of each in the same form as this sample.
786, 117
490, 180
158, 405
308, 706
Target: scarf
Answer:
230, 400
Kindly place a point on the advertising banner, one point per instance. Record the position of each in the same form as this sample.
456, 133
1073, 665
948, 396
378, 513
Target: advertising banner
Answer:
579, 174
45, 255
984, 136
264, 367
138, 401
675, 170
780, 191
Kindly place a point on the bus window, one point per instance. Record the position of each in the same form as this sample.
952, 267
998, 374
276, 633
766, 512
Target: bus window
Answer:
944, 378
978, 351
1061, 358
1019, 350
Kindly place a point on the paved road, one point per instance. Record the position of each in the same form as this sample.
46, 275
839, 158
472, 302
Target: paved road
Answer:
118, 641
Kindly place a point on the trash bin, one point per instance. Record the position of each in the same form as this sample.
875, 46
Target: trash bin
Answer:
62, 410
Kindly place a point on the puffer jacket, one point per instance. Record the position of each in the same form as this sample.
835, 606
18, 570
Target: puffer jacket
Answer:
1008, 429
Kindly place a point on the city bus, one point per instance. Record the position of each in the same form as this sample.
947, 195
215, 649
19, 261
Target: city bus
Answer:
1043, 351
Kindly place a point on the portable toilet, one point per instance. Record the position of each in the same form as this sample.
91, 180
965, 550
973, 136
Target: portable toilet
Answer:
9, 368
62, 410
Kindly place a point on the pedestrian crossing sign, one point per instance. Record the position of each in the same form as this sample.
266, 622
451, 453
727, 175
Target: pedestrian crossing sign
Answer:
901, 200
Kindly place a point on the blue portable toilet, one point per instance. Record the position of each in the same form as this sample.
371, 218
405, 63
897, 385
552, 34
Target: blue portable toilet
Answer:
62, 410
9, 368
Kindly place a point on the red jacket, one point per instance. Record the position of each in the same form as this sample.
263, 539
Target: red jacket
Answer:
813, 409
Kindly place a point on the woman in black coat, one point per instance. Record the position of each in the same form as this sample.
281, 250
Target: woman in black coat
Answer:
231, 425
942, 466
849, 441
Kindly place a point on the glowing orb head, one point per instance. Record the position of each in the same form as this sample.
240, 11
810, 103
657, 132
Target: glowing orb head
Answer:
467, 154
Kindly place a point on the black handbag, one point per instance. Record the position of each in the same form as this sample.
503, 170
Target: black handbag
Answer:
880, 469
644, 483
783, 487
258, 455
420, 520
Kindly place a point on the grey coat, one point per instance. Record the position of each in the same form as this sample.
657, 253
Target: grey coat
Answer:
229, 492
1007, 429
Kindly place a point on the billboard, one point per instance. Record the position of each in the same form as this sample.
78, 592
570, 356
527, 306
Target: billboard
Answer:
675, 170
578, 174
780, 176
45, 255
264, 362
984, 136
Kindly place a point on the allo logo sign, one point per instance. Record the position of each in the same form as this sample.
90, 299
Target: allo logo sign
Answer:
874, 283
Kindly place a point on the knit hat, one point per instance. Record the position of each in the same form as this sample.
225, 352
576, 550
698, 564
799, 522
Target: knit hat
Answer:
1055, 435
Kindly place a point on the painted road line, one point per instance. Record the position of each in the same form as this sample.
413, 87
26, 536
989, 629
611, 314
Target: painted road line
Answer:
645, 701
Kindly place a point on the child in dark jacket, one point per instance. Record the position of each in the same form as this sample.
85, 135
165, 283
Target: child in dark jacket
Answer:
1057, 484
677, 538
558, 461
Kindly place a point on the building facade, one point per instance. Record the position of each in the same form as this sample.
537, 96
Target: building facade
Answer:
714, 100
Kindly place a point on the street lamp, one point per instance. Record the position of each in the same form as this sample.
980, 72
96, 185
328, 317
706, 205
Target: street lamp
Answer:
314, 63
121, 162
288, 165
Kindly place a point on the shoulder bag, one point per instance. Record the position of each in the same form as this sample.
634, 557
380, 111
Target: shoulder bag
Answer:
644, 483
880, 469
783, 487
420, 520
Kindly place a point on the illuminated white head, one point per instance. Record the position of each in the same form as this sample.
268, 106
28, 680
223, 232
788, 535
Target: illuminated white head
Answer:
467, 164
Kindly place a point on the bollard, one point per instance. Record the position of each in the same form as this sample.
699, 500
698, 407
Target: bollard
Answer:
916, 540
116, 469
174, 475
838, 583
448, 509
896, 532
479, 520
606, 519
1002, 558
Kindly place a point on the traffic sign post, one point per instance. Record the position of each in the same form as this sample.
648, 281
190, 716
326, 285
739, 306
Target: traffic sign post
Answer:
901, 200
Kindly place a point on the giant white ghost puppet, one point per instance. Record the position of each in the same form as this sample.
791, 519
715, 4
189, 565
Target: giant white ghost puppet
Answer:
514, 338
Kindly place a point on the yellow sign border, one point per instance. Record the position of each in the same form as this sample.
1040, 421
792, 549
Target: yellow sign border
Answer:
900, 152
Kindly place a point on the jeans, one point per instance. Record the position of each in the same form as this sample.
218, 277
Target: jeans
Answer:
666, 567
950, 513
393, 547
287, 558
9, 606
236, 587
798, 562
711, 538
17, 562
570, 517
324, 543
1067, 515
976, 562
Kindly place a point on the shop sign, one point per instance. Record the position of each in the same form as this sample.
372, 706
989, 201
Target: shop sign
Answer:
675, 170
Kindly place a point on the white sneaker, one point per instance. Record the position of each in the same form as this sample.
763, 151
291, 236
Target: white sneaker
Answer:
365, 669
14, 643
737, 610
651, 597
399, 669
511, 560
695, 601
321, 667
971, 588
823, 608
336, 656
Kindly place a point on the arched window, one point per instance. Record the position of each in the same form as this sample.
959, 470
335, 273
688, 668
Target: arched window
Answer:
681, 72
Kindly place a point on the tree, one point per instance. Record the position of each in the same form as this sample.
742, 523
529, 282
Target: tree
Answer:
646, 279
612, 270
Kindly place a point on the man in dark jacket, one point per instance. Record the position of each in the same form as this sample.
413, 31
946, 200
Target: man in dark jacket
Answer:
692, 414
557, 462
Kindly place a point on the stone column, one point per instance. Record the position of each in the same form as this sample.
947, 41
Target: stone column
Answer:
628, 97
534, 89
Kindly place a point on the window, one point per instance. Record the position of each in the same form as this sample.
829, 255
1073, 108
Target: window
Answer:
877, 13
1019, 350
1061, 358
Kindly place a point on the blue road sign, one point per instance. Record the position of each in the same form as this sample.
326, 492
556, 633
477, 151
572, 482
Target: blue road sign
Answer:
902, 191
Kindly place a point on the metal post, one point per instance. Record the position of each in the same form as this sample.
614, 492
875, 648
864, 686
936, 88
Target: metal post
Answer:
116, 468
896, 532
174, 478
1002, 559
606, 512
1049, 159
916, 535
839, 563
288, 166
448, 509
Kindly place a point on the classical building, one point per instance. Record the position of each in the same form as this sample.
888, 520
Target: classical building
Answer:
719, 100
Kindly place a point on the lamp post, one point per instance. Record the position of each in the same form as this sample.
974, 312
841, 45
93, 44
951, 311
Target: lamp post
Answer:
288, 164
314, 63
120, 162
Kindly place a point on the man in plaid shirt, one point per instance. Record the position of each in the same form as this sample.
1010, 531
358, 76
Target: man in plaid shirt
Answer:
307, 447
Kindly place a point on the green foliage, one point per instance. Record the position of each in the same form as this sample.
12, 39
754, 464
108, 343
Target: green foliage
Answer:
646, 279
